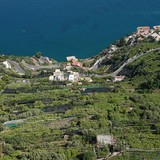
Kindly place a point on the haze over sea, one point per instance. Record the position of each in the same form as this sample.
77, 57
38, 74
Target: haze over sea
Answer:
59, 28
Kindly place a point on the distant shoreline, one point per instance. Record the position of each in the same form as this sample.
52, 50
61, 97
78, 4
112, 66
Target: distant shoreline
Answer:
81, 28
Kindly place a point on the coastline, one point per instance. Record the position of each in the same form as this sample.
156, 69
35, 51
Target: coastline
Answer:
59, 33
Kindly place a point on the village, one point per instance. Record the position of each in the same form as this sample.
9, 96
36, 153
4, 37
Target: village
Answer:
145, 32
61, 73
68, 75
71, 69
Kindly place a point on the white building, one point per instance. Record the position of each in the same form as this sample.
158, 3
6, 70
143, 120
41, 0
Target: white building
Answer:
68, 66
156, 36
51, 78
71, 58
58, 75
74, 77
7, 64
71, 78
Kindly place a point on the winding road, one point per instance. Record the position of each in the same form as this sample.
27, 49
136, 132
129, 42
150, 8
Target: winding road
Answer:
130, 60
95, 66
17, 67
31, 67
21, 71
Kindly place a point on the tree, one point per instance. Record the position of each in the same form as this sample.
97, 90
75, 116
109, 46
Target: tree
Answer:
87, 156
1, 127
121, 42
38, 54
8, 149
102, 152
38, 104
28, 74
6, 79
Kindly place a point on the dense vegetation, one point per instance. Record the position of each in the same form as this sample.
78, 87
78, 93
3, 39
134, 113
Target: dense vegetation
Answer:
55, 113
62, 123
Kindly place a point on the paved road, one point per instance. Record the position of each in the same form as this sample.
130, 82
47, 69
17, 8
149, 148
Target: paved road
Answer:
130, 60
31, 67
96, 64
21, 71
17, 67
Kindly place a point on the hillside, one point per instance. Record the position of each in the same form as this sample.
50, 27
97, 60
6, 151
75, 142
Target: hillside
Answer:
44, 119
143, 39
139, 63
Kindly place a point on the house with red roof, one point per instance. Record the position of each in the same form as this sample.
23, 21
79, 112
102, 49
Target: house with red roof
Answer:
143, 30
76, 63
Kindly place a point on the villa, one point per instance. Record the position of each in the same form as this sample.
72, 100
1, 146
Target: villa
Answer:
144, 30
59, 75
76, 63
74, 77
67, 66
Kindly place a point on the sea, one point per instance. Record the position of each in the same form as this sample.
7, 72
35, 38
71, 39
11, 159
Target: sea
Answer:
60, 28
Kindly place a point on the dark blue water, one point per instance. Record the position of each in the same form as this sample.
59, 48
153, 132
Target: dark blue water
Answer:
59, 28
